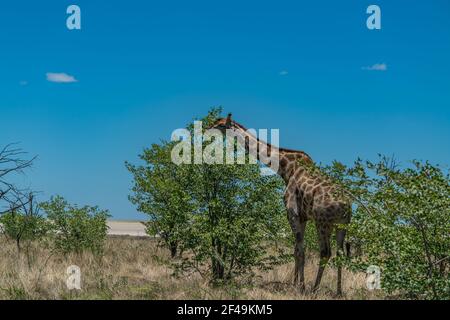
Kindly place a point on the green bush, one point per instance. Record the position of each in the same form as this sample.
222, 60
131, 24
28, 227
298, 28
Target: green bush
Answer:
401, 223
161, 191
226, 218
76, 229
24, 225
21, 227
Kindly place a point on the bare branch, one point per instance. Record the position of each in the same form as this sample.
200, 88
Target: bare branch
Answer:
12, 161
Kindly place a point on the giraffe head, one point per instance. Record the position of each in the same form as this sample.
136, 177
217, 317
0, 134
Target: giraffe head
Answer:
223, 124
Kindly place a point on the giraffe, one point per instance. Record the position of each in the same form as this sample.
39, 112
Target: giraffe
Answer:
308, 197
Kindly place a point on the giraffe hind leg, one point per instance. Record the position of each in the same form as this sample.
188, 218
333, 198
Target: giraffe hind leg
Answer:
300, 255
340, 237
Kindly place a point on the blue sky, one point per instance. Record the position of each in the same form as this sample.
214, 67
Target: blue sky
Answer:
145, 68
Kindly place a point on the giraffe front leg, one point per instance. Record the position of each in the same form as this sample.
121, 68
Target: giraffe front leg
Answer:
298, 229
324, 233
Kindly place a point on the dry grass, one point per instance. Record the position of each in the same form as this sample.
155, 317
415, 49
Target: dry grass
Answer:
134, 268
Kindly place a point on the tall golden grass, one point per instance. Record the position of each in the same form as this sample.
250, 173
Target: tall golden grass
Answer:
136, 268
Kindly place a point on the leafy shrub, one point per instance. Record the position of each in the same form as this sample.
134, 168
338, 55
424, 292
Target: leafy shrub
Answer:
76, 229
401, 223
24, 225
21, 227
226, 218
161, 191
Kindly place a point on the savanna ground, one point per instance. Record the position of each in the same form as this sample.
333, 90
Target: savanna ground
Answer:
136, 268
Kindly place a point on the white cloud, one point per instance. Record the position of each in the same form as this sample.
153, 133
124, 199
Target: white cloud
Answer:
284, 73
60, 77
376, 67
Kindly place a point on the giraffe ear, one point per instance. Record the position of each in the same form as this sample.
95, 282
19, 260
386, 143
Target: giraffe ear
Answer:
228, 123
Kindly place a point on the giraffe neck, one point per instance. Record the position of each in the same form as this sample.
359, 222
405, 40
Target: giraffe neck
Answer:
268, 154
